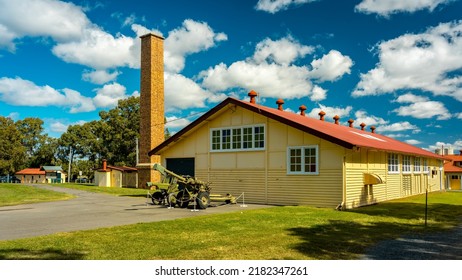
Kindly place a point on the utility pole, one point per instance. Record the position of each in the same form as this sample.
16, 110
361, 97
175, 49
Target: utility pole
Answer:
70, 162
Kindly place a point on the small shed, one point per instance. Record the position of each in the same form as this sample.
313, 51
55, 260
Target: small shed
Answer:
31, 175
54, 174
116, 176
453, 171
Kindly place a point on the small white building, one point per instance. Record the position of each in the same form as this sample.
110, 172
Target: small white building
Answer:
116, 176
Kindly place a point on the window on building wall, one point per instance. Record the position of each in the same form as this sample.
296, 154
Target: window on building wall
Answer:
425, 165
303, 160
417, 163
406, 164
238, 138
393, 163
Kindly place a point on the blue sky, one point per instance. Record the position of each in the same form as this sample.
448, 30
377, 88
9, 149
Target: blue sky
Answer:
389, 63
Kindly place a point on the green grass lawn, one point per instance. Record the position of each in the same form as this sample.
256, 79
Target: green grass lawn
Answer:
14, 194
291, 232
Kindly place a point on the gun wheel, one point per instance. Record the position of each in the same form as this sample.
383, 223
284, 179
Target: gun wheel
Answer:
203, 200
157, 198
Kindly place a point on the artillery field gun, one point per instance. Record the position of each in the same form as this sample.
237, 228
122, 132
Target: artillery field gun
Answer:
174, 189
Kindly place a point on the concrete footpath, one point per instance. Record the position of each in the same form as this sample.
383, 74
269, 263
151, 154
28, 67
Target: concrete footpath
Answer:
89, 211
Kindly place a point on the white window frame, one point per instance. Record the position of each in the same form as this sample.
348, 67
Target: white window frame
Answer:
407, 167
231, 146
393, 164
302, 149
417, 165
426, 169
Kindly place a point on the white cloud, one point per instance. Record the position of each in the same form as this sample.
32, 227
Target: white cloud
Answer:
190, 38
362, 116
331, 66
21, 92
413, 142
13, 115
272, 73
99, 50
458, 115
399, 126
456, 146
270, 80
387, 7
183, 93
174, 122
284, 51
331, 112
318, 93
425, 61
274, 6
60, 20
109, 95
421, 107
99, 76
58, 127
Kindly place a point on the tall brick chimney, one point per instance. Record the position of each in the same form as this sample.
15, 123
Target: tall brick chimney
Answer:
151, 106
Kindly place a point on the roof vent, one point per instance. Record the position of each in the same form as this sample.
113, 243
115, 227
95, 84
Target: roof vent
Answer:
302, 110
280, 102
321, 115
362, 125
336, 118
373, 129
252, 94
350, 122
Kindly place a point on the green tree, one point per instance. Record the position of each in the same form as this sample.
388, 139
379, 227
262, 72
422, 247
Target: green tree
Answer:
120, 128
12, 152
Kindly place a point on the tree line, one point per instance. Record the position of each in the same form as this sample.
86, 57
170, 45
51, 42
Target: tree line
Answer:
113, 137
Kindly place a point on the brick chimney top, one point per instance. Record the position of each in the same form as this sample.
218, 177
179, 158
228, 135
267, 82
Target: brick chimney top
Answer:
302, 109
350, 122
280, 102
252, 94
373, 129
104, 164
321, 115
362, 125
336, 118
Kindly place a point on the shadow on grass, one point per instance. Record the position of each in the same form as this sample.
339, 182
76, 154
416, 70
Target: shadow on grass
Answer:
47, 254
342, 240
438, 212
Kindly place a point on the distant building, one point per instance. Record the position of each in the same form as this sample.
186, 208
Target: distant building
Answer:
54, 174
116, 176
453, 171
31, 175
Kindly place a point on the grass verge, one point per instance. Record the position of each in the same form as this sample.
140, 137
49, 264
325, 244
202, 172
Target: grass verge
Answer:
291, 232
14, 194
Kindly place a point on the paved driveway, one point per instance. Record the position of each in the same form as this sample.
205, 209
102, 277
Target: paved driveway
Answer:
89, 211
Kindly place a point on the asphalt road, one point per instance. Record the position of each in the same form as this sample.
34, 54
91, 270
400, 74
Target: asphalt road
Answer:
89, 211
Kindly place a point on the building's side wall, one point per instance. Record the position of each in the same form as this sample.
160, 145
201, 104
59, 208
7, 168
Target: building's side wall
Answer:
102, 179
261, 176
33, 179
396, 185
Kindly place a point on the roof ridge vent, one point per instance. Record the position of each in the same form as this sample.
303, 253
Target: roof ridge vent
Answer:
302, 109
362, 125
252, 94
336, 119
321, 115
350, 122
280, 102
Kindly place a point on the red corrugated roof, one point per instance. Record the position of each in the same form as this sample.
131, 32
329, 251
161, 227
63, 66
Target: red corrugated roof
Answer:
31, 171
339, 134
450, 166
